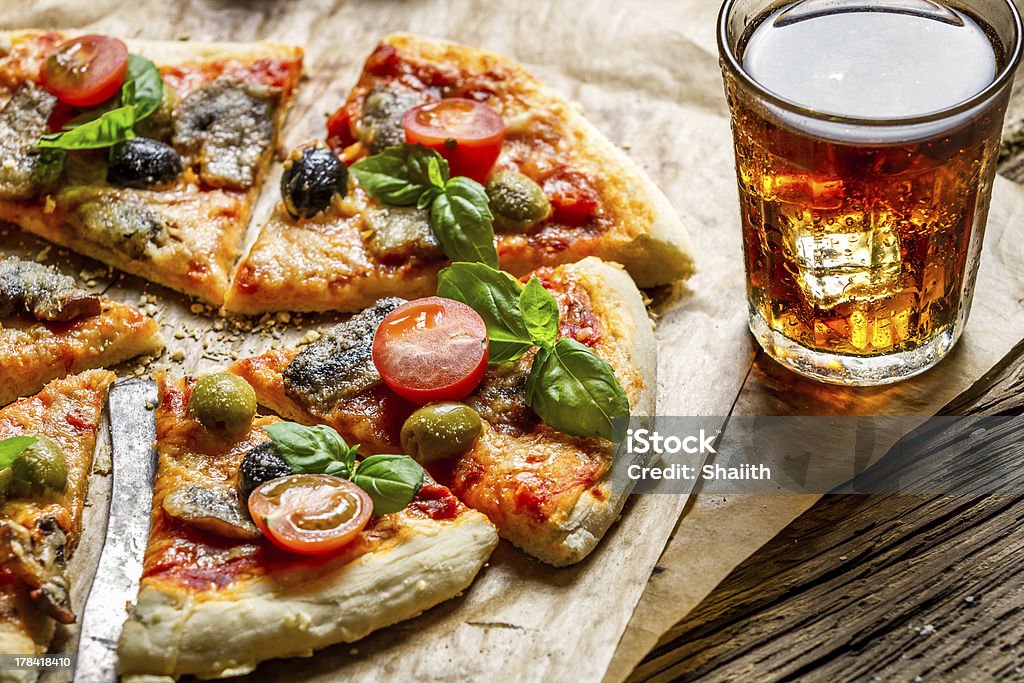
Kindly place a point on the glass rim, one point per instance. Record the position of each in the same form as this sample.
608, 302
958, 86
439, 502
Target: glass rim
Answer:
1005, 75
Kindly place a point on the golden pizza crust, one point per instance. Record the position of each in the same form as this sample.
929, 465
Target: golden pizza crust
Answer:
566, 528
173, 632
208, 224
33, 353
68, 411
278, 604
323, 263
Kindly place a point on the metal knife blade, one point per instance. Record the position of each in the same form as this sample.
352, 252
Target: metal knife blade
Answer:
132, 433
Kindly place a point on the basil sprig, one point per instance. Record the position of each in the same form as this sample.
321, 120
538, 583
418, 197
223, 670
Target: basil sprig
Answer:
391, 481
569, 386
312, 450
12, 447
141, 94
460, 214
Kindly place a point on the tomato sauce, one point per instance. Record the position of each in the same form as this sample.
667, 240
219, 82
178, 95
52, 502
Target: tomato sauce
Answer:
539, 151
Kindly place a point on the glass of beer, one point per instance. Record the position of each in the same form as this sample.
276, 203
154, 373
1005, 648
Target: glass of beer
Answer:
865, 134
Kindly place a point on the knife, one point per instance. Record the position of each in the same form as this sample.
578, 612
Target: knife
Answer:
132, 435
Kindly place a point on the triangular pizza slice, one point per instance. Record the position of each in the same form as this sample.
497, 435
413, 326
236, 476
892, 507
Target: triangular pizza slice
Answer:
144, 155
223, 590
50, 327
557, 188
547, 491
47, 442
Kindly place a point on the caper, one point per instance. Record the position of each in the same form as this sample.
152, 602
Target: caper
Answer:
517, 202
440, 430
223, 401
260, 464
41, 466
311, 178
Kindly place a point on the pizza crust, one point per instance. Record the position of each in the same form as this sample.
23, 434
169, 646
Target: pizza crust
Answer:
208, 228
33, 354
324, 263
171, 632
617, 302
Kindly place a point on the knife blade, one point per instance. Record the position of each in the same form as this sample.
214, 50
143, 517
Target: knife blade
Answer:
132, 434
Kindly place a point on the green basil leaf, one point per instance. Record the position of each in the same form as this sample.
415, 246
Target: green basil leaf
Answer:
147, 84
312, 450
141, 95
12, 447
427, 198
462, 222
540, 313
575, 391
434, 174
399, 176
110, 127
495, 296
391, 480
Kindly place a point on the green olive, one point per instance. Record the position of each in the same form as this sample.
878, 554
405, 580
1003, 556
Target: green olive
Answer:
223, 401
517, 202
440, 430
41, 465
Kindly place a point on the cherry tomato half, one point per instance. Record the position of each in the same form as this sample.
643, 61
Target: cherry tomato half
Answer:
87, 70
432, 349
310, 514
465, 132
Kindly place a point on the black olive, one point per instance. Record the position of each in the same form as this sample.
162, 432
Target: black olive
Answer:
260, 464
311, 178
141, 163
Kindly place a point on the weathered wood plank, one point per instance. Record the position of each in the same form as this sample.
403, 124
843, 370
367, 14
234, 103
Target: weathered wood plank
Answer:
879, 587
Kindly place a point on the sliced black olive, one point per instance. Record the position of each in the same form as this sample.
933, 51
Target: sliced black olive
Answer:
141, 163
311, 178
260, 465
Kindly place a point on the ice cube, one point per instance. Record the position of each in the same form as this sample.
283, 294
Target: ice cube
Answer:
845, 261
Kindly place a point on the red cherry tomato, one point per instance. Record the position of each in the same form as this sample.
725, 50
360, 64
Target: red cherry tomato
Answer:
431, 349
86, 71
310, 513
465, 132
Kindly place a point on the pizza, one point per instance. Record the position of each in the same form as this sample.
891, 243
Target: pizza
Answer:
557, 190
541, 478
323, 563
50, 327
145, 155
47, 442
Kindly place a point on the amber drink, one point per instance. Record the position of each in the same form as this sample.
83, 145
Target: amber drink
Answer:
865, 137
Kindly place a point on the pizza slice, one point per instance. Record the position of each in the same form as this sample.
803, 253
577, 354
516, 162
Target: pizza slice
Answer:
557, 188
320, 561
521, 439
50, 327
47, 442
144, 155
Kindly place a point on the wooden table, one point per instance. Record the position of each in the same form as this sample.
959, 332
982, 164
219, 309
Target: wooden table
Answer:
876, 587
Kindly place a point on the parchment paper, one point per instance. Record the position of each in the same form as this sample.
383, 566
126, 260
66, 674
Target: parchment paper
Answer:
647, 75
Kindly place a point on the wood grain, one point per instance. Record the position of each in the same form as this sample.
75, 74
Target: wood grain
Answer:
877, 587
